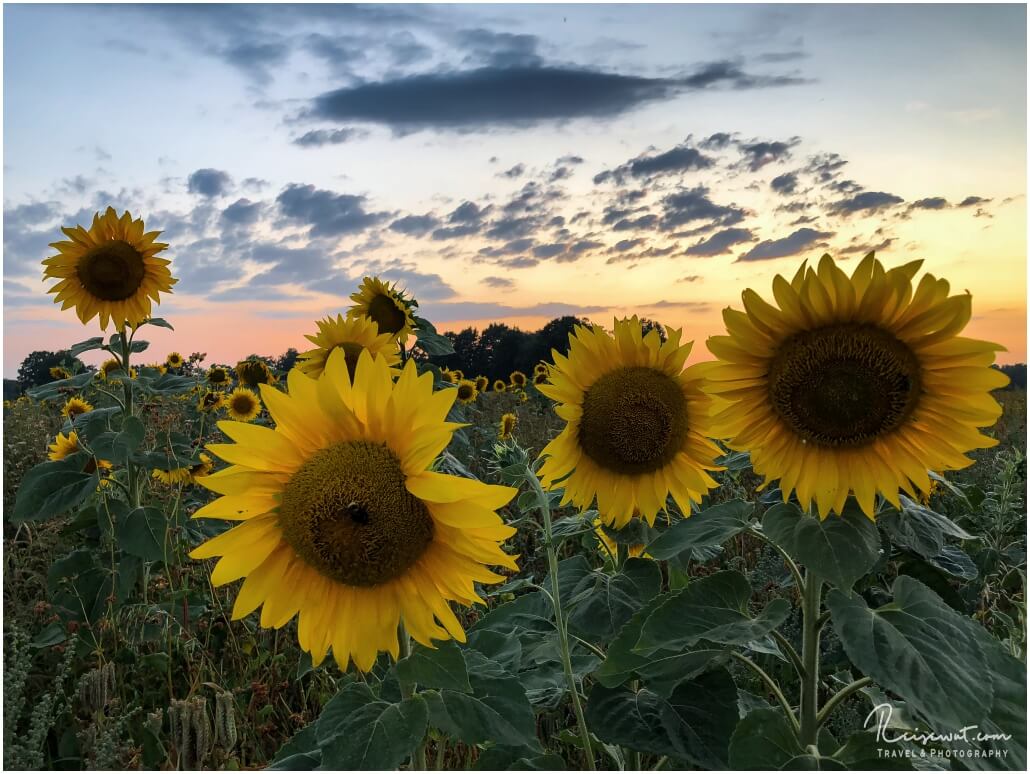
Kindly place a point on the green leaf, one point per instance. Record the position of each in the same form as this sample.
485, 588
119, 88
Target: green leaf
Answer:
52, 634
439, 667
532, 612
711, 527
920, 649
128, 439
955, 562
160, 322
85, 346
348, 700
142, 533
52, 488
60, 388
693, 724
139, 346
920, 529
377, 736
600, 610
431, 342
496, 711
714, 609
862, 751
764, 740
840, 549
501, 758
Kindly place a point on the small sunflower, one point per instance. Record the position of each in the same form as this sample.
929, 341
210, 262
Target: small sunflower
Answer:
174, 360
384, 305
210, 401
218, 376
59, 372
500, 385
523, 397
507, 426
74, 407
350, 335
457, 375
254, 372
467, 392
482, 384
202, 468
342, 519
447, 376
242, 405
109, 368
540, 368
540, 378
67, 445
637, 423
517, 379
110, 270
172, 476
853, 385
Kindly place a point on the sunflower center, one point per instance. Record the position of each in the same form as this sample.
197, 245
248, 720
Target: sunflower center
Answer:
466, 391
844, 385
383, 310
634, 420
113, 271
348, 514
242, 404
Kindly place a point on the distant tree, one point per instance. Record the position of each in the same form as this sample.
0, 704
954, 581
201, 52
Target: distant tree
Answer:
647, 325
35, 369
555, 335
286, 360
1016, 373
12, 389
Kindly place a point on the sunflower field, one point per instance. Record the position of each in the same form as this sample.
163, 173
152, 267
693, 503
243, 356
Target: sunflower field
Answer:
805, 551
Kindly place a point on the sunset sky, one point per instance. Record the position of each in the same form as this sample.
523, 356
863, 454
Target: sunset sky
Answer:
512, 163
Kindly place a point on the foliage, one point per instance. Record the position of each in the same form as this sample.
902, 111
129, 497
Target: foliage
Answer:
35, 368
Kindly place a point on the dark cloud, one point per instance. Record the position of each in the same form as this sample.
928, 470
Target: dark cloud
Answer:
549, 250
255, 183
663, 304
803, 220
457, 232
866, 249
693, 204
784, 184
512, 227
209, 182
316, 138
256, 59
682, 158
717, 141
628, 244
499, 282
971, 201
644, 222
513, 172
32, 213
328, 213
730, 75
499, 49
844, 186
415, 225
584, 245
690, 278
824, 166
571, 160
468, 212
867, 201
242, 212
758, 154
478, 310
720, 242
777, 57
800, 240
931, 203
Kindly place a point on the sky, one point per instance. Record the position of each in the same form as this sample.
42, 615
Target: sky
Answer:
511, 163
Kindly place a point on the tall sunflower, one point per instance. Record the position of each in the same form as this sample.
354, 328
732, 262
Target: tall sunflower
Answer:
174, 360
67, 445
853, 385
637, 423
110, 270
74, 407
384, 305
350, 335
242, 405
342, 519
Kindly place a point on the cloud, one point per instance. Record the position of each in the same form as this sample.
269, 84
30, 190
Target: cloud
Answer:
758, 154
513, 172
971, 201
242, 212
255, 60
477, 310
549, 250
698, 305
682, 158
800, 240
784, 184
319, 137
825, 166
415, 225
720, 242
584, 245
867, 201
209, 182
628, 244
717, 141
499, 282
690, 278
866, 249
729, 74
693, 204
328, 213
931, 203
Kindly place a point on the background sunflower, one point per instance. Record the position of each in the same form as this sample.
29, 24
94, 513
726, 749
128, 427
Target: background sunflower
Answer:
350, 335
384, 305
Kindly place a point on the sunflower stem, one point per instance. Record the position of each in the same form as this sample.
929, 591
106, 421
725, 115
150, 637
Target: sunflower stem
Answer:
130, 410
840, 696
418, 759
810, 603
559, 617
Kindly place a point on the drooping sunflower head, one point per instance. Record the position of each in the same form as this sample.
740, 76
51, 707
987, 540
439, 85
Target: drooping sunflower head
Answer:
518, 379
174, 360
202, 468
637, 423
218, 376
171, 476
59, 372
254, 372
482, 384
500, 385
351, 335
853, 385
109, 368
110, 270
210, 401
75, 407
384, 305
467, 392
342, 519
506, 427
67, 445
242, 404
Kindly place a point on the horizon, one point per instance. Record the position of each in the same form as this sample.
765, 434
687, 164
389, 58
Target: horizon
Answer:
512, 163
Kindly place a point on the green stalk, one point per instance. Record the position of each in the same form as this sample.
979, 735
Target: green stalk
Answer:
130, 410
559, 618
810, 603
418, 760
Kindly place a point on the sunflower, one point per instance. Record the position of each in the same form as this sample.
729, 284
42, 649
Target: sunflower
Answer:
174, 360
482, 384
210, 401
507, 426
523, 397
467, 392
161, 368
384, 305
218, 376
344, 522
540, 378
110, 270
447, 376
457, 374
540, 368
202, 468
637, 423
500, 385
254, 372
67, 445
350, 335
242, 405
172, 476
59, 372
853, 385
517, 379
108, 368
74, 407
602, 532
